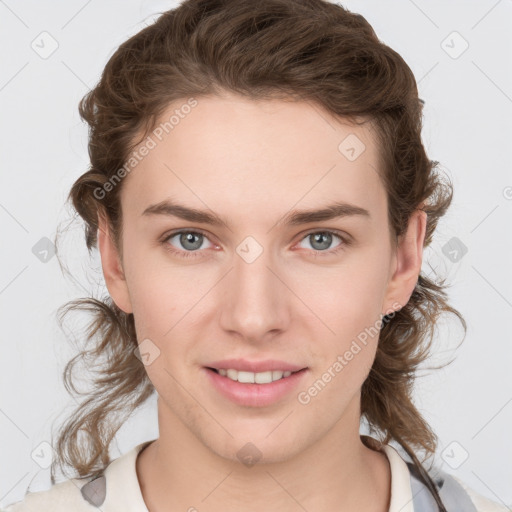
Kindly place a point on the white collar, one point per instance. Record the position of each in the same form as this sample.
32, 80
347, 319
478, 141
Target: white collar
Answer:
123, 490
401, 494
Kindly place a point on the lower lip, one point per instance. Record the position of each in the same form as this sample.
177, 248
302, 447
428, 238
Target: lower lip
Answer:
254, 395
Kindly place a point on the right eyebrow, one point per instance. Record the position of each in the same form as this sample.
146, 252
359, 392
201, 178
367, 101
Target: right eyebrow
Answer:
174, 209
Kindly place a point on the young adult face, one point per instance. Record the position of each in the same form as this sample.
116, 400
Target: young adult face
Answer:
259, 288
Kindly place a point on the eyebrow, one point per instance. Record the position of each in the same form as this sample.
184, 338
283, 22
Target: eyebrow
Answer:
292, 218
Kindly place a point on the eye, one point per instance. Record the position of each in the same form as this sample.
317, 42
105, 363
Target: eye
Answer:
320, 242
189, 242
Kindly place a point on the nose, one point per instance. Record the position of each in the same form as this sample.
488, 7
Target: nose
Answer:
256, 303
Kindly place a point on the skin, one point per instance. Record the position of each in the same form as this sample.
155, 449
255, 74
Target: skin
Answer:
252, 163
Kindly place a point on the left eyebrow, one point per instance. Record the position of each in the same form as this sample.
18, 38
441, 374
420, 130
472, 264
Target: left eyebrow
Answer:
333, 211
293, 218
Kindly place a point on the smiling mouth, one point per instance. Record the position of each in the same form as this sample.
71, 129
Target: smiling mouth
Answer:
245, 377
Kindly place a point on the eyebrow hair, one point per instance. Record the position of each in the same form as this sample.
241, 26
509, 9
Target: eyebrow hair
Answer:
292, 218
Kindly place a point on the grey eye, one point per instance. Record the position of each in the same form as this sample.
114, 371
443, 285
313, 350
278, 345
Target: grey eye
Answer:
321, 240
188, 240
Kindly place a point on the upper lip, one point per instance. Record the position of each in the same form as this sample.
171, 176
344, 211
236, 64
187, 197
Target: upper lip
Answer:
255, 366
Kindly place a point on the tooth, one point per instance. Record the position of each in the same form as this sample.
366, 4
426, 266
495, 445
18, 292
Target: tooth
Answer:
277, 374
263, 377
251, 377
232, 374
246, 377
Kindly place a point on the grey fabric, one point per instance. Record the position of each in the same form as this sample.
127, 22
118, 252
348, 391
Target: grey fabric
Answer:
455, 497
422, 498
95, 490
452, 494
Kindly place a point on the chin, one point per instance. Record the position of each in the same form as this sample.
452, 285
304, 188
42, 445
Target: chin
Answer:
252, 446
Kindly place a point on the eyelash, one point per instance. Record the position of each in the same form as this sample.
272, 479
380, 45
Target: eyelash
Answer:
345, 242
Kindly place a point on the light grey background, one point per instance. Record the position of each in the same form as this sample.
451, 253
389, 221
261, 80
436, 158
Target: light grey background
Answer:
467, 127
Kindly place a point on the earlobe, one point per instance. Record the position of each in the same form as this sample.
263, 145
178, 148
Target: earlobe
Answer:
113, 272
408, 257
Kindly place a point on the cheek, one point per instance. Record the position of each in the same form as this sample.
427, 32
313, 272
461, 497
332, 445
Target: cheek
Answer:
160, 292
166, 301
345, 354
154, 305
351, 298
350, 309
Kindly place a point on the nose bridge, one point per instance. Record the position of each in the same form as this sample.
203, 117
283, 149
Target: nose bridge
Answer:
255, 299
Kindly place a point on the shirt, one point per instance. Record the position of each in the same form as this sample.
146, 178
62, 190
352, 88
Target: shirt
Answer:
118, 489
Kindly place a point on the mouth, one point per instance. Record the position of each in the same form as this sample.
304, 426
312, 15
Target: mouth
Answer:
246, 377
254, 389
254, 383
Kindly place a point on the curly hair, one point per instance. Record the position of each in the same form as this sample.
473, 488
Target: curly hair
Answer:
304, 50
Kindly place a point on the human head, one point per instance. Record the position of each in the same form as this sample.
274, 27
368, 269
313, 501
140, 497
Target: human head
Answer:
313, 52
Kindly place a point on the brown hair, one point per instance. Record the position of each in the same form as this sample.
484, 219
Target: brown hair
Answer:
305, 50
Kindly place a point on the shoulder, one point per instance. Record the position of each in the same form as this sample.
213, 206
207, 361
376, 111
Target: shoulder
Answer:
61, 497
455, 494
114, 488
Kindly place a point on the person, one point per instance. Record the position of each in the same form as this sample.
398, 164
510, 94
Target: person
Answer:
260, 198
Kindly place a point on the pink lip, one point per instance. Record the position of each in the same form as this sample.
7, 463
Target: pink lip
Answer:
254, 395
254, 366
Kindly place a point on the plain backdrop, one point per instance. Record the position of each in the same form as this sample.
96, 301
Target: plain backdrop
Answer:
461, 55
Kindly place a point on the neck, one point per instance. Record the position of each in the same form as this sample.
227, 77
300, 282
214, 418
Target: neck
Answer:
338, 472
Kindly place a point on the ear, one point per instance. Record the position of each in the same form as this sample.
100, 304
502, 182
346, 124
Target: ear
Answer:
112, 267
407, 263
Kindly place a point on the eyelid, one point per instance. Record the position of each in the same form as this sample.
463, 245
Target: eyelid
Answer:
341, 234
175, 232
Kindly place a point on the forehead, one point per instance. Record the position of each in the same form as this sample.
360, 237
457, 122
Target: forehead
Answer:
260, 157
